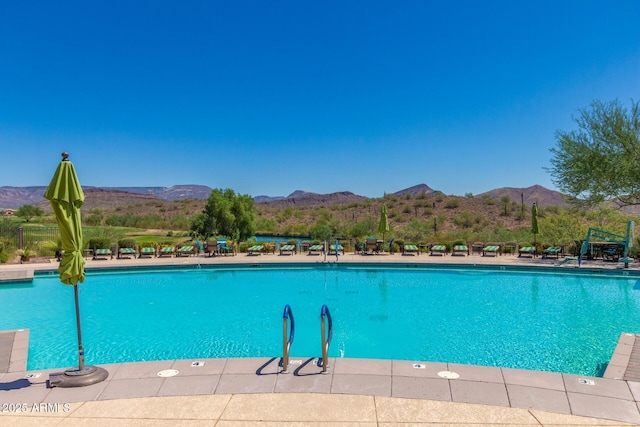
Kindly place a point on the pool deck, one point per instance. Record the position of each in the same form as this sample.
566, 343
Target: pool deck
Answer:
356, 392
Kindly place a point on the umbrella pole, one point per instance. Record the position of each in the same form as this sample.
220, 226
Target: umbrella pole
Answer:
80, 349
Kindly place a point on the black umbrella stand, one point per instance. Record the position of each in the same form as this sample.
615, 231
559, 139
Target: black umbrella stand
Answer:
84, 375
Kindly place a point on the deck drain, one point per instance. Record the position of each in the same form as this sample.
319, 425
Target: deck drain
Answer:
450, 375
586, 381
418, 366
36, 375
196, 364
168, 373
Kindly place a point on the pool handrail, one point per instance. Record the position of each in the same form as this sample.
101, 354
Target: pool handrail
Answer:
288, 332
325, 320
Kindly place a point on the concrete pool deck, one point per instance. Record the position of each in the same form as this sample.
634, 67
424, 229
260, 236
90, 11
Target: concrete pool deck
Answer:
234, 392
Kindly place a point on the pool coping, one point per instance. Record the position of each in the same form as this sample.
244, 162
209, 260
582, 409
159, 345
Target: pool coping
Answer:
551, 392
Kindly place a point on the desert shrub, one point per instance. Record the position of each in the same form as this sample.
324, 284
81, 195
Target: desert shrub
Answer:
99, 243
126, 243
452, 204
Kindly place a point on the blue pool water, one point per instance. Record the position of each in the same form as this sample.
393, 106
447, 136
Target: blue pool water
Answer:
552, 322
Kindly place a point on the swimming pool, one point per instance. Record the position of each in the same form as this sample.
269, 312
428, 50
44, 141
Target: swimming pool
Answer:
529, 320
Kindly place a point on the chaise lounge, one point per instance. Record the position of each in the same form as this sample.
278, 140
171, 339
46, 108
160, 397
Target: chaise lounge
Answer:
527, 250
255, 250
290, 249
316, 249
460, 250
438, 249
146, 251
102, 254
167, 250
334, 248
553, 250
125, 253
491, 249
410, 250
186, 250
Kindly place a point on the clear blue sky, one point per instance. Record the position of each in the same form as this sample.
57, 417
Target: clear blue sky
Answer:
268, 97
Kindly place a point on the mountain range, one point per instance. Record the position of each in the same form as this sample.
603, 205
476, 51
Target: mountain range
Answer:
14, 197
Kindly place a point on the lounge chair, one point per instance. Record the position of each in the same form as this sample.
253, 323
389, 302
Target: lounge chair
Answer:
491, 249
438, 249
527, 250
225, 248
371, 245
147, 251
477, 248
200, 247
510, 248
167, 250
291, 249
333, 248
387, 248
211, 248
460, 249
553, 250
316, 249
255, 249
410, 249
186, 250
102, 254
125, 253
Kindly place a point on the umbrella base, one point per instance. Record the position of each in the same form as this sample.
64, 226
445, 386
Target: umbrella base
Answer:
77, 378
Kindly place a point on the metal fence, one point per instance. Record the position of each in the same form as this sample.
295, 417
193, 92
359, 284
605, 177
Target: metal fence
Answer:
13, 238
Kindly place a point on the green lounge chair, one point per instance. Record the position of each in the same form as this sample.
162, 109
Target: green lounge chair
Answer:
125, 253
460, 249
186, 250
439, 249
291, 249
387, 248
102, 253
147, 251
333, 248
255, 249
316, 249
554, 250
527, 250
167, 250
225, 248
410, 249
491, 249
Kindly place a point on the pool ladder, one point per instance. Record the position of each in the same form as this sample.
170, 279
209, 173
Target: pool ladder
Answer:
288, 332
287, 337
326, 332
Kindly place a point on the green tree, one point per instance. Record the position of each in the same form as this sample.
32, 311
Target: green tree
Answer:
28, 212
226, 214
601, 159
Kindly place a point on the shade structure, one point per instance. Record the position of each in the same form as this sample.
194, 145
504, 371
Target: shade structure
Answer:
383, 226
534, 221
66, 197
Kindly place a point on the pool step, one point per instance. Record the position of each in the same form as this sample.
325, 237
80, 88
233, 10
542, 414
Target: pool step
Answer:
14, 348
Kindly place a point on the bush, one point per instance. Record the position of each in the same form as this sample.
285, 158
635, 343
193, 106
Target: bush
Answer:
452, 204
126, 243
99, 243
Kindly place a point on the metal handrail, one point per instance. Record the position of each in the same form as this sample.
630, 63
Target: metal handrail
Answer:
325, 320
288, 332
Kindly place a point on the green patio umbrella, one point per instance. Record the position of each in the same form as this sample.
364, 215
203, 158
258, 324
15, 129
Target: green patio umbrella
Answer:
66, 197
534, 221
383, 227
